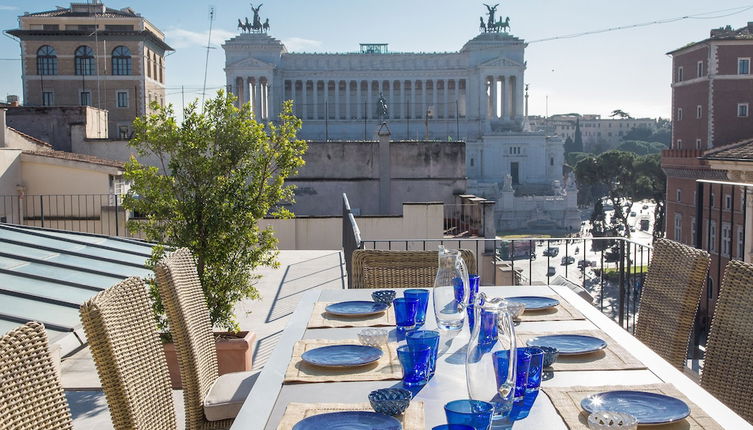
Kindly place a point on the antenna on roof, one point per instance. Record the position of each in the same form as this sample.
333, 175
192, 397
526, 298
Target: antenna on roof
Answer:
206, 63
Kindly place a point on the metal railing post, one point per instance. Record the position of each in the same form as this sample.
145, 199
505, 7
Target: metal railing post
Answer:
41, 209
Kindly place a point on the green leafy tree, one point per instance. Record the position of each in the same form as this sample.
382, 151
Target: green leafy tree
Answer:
220, 172
652, 183
640, 147
620, 113
638, 133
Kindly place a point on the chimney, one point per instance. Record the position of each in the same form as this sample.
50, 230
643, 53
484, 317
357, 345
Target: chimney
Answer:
3, 128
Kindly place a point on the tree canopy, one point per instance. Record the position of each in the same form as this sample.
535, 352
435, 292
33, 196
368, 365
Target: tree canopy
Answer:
221, 172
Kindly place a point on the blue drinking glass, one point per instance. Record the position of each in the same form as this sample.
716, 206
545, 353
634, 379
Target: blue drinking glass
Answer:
535, 368
523, 362
488, 330
405, 313
473, 280
428, 338
423, 303
474, 413
452, 427
521, 409
415, 362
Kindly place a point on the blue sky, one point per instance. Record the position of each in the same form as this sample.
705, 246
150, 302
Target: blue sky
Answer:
625, 69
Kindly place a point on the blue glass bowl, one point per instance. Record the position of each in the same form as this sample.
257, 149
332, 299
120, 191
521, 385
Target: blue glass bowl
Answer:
390, 401
550, 355
384, 296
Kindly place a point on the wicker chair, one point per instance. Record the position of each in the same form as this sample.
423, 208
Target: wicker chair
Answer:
399, 269
129, 357
729, 349
211, 401
31, 395
670, 298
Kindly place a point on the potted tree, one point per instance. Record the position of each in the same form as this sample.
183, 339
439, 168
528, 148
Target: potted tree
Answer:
216, 174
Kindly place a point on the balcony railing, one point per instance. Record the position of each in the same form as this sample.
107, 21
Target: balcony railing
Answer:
86, 213
608, 270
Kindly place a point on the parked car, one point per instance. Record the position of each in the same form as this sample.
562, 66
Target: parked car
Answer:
551, 251
633, 214
645, 206
585, 263
550, 271
632, 229
568, 260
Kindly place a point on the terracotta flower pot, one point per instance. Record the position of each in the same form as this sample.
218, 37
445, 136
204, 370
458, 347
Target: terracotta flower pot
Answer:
234, 353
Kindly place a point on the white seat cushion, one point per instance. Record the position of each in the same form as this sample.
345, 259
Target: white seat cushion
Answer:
227, 395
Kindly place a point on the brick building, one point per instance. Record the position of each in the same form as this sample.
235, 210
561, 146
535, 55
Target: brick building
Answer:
712, 92
92, 55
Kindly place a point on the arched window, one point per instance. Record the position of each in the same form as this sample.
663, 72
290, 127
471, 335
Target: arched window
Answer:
84, 61
121, 61
47, 61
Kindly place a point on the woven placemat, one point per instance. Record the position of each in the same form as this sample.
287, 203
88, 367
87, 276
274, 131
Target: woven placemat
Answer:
387, 367
613, 357
567, 403
411, 419
320, 318
562, 312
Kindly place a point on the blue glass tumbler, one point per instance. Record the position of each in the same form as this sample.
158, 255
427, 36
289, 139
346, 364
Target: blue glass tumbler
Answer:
405, 313
415, 362
535, 368
523, 362
473, 281
521, 409
423, 303
452, 427
428, 338
474, 413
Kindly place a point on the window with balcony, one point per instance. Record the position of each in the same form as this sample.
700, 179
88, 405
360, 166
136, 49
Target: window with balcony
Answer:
121, 61
678, 227
84, 60
743, 66
742, 110
47, 61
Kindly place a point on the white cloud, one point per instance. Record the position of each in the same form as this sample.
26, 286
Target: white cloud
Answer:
181, 38
8, 7
300, 44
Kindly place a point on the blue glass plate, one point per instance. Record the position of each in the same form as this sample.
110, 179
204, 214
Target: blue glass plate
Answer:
350, 420
535, 303
570, 344
647, 408
356, 308
342, 355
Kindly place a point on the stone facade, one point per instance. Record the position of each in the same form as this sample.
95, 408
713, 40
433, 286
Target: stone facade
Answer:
123, 72
473, 95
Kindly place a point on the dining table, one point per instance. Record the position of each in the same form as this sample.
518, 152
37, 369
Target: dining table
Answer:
266, 404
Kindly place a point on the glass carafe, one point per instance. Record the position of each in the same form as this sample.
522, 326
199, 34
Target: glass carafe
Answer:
451, 290
491, 355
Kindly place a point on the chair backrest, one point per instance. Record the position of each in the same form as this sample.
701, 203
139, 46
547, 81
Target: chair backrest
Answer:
31, 395
670, 297
729, 349
399, 269
129, 356
191, 329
